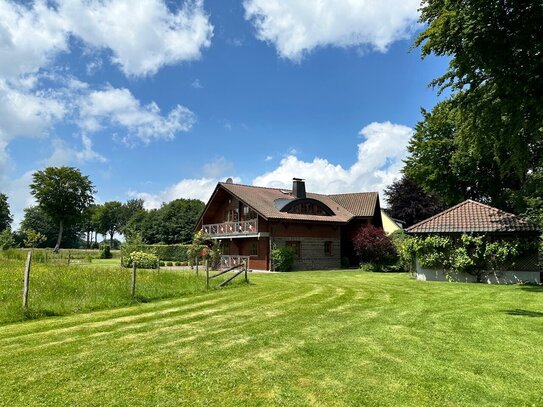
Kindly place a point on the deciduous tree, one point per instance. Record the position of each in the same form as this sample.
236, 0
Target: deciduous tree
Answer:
63, 193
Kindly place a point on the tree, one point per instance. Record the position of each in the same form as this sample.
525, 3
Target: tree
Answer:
110, 218
33, 238
36, 219
487, 137
372, 245
63, 193
133, 215
409, 202
5, 214
178, 219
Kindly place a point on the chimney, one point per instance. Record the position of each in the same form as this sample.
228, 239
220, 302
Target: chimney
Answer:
298, 187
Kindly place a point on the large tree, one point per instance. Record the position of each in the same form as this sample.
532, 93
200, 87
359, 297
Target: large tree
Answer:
408, 202
5, 214
491, 126
63, 193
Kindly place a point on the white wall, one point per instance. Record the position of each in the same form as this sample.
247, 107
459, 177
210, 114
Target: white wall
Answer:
502, 277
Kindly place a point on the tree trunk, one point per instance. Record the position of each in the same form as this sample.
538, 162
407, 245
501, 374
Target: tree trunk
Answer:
60, 229
95, 238
111, 240
88, 239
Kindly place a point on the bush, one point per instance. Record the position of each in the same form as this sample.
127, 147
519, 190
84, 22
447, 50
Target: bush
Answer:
282, 258
372, 245
162, 264
178, 263
169, 263
105, 253
6, 240
143, 260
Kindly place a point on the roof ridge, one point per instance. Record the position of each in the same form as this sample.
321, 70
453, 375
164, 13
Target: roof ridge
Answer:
354, 193
253, 186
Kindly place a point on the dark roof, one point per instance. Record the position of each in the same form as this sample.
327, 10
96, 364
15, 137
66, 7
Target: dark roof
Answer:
470, 216
268, 201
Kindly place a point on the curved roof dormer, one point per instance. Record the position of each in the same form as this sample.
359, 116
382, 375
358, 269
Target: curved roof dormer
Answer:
306, 206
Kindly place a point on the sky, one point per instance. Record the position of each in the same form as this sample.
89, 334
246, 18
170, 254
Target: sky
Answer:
162, 99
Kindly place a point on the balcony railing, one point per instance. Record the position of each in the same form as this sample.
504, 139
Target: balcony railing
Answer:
245, 227
231, 261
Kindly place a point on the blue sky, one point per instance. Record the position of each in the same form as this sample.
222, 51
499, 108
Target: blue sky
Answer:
161, 100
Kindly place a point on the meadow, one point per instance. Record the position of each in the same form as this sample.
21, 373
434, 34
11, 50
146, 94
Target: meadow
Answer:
329, 338
61, 289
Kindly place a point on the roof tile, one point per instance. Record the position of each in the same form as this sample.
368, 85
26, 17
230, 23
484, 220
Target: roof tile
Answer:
469, 217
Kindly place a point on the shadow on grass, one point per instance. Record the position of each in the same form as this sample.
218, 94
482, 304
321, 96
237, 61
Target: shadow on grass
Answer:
524, 313
534, 288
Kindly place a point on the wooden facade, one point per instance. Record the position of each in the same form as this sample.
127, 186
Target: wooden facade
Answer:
247, 222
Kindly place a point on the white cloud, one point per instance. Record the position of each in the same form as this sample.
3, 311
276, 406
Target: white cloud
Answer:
217, 168
29, 37
64, 155
196, 84
118, 107
142, 35
200, 188
268, 158
295, 27
379, 162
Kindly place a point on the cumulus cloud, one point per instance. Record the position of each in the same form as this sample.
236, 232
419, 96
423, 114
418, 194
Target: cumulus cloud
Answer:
29, 37
118, 107
378, 163
295, 27
142, 35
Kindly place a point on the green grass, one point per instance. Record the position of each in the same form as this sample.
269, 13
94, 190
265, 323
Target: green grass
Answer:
61, 289
312, 338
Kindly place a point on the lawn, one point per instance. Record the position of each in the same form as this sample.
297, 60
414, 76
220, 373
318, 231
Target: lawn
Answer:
311, 338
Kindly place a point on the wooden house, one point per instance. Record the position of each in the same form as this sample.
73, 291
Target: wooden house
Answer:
249, 221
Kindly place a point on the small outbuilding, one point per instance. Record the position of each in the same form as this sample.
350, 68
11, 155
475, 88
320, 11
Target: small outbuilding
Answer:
474, 218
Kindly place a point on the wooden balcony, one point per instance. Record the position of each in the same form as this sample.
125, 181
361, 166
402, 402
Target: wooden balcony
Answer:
229, 229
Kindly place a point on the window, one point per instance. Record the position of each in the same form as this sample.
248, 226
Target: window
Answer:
248, 213
225, 248
254, 248
297, 248
327, 248
231, 216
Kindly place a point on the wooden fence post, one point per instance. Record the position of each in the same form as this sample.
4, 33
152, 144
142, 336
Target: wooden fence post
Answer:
26, 280
207, 274
133, 279
158, 263
69, 257
197, 261
245, 267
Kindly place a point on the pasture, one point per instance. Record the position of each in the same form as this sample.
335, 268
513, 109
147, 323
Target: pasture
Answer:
311, 338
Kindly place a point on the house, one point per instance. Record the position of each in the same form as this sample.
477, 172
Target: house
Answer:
475, 218
249, 221
390, 225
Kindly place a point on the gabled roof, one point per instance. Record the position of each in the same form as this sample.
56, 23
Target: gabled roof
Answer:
470, 216
265, 202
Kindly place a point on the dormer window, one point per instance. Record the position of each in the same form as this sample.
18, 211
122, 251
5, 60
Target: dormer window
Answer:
307, 206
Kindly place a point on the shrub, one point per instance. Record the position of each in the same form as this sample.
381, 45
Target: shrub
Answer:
6, 240
282, 258
178, 263
374, 246
162, 264
169, 263
143, 260
105, 253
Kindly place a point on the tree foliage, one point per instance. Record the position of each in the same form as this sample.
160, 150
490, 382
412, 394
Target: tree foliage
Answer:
64, 194
36, 219
410, 203
110, 218
486, 140
5, 214
372, 245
